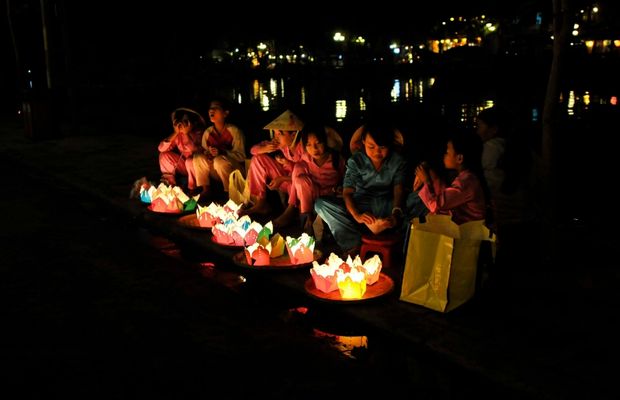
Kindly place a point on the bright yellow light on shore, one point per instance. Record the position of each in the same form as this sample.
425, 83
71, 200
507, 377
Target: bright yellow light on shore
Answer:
338, 37
341, 110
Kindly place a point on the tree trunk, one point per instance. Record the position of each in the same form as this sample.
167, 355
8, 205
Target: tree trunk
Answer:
562, 26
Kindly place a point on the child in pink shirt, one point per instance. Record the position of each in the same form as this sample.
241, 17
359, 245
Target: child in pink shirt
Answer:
268, 171
466, 198
318, 173
177, 151
223, 146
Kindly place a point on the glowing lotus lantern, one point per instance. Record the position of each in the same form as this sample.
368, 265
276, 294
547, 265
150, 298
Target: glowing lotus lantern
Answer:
167, 205
231, 207
146, 193
240, 229
351, 276
168, 199
258, 253
371, 268
255, 229
300, 250
277, 246
222, 235
352, 284
324, 276
263, 253
240, 232
208, 216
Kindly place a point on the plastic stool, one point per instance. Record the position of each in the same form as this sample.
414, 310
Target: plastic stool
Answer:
384, 245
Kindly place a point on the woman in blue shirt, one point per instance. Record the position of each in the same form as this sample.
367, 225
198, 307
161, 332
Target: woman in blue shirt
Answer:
372, 194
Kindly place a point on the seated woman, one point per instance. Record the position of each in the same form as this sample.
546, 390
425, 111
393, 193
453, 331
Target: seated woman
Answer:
318, 174
223, 149
273, 160
178, 150
467, 197
372, 190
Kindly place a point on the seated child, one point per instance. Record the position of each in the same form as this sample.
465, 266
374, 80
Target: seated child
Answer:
177, 151
223, 147
318, 174
266, 172
466, 198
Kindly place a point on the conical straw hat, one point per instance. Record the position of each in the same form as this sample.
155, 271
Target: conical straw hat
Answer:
287, 121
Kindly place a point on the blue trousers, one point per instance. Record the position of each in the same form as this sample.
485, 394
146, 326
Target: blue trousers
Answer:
347, 232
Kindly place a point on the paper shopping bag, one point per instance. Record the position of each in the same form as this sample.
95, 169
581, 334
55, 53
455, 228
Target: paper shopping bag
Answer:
441, 262
238, 188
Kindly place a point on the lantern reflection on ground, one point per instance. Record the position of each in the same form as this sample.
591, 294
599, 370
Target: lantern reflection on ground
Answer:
350, 346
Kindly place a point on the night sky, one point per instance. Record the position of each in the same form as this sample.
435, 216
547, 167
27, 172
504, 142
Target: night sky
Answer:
208, 21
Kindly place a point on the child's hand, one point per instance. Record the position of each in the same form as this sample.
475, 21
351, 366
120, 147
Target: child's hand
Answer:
365, 218
213, 151
421, 175
270, 147
276, 182
282, 161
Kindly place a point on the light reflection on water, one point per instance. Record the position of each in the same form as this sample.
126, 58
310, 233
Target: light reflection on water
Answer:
351, 99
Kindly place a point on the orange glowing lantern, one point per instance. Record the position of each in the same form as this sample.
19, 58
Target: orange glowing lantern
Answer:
258, 253
263, 253
208, 216
221, 235
166, 205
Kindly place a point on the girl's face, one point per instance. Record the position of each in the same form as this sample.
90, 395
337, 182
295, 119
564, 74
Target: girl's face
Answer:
452, 160
284, 138
216, 112
375, 152
183, 128
315, 148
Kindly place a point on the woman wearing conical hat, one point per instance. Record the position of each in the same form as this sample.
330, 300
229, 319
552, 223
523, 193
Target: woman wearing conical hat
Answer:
273, 160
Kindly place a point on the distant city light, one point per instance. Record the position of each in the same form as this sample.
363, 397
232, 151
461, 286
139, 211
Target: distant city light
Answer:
362, 104
261, 46
395, 92
575, 32
594, 9
338, 37
341, 110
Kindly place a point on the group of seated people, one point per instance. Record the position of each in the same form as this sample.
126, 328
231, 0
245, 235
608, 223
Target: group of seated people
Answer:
305, 163
199, 152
